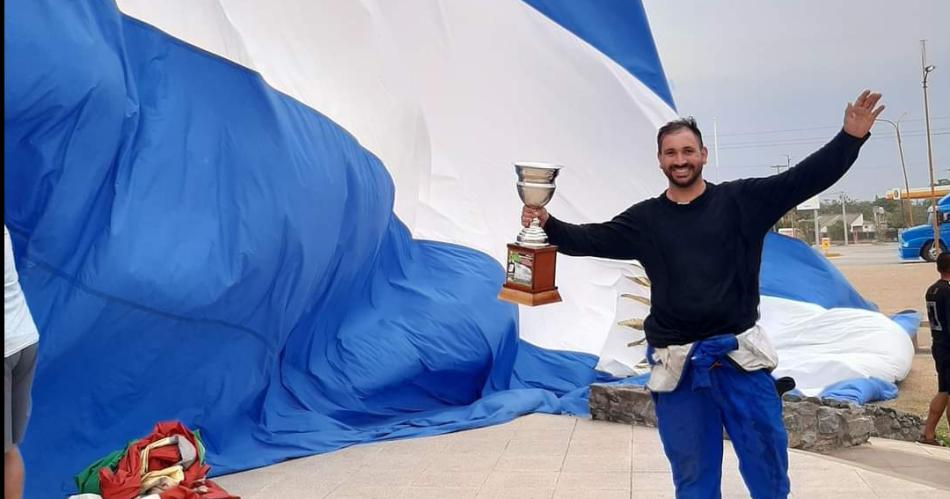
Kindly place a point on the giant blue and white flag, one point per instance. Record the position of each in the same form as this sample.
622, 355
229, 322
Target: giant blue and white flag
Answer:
282, 222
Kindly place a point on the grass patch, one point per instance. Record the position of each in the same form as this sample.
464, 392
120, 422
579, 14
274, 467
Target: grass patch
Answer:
943, 433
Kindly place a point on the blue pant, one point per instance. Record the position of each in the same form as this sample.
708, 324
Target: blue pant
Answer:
711, 394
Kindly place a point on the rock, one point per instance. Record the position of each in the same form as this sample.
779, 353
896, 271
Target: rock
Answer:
808, 440
828, 420
792, 397
622, 404
839, 404
857, 429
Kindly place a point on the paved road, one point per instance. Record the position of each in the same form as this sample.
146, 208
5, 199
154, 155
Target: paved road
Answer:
868, 254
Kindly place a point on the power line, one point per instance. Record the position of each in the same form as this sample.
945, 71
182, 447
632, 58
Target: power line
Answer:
766, 132
860, 166
908, 133
805, 129
813, 140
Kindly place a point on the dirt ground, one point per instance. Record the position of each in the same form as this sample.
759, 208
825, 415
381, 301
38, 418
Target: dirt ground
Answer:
893, 287
896, 287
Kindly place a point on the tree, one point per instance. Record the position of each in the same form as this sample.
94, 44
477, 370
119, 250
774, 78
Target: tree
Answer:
836, 231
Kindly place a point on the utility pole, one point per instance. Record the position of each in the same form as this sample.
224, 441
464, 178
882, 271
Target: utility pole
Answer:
716, 148
844, 219
930, 153
778, 169
880, 223
792, 214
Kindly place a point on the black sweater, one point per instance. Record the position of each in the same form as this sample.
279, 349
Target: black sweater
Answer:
938, 312
703, 257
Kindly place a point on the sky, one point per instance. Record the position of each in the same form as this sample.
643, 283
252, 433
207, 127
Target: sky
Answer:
775, 78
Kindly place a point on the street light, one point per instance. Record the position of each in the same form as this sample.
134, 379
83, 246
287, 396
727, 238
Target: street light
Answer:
935, 248
908, 212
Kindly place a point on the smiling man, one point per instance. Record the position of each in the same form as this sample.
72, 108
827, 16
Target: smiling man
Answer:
701, 246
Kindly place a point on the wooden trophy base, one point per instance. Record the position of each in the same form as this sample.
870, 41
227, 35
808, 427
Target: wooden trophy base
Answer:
527, 298
529, 276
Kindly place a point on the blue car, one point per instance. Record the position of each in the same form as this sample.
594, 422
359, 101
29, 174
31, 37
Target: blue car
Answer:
918, 241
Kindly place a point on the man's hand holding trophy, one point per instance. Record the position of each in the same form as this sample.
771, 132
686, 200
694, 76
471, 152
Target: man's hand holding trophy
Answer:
529, 274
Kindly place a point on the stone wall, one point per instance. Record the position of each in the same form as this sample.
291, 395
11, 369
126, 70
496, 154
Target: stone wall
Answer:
812, 423
894, 424
821, 426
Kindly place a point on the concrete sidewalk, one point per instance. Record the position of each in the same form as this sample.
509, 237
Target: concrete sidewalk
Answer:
544, 456
910, 461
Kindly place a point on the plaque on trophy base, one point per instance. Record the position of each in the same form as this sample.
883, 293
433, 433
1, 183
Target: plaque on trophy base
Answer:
529, 276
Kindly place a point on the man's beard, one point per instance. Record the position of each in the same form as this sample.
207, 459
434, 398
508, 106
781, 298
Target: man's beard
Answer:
695, 175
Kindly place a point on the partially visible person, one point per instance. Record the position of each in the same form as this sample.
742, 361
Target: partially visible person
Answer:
938, 312
20, 339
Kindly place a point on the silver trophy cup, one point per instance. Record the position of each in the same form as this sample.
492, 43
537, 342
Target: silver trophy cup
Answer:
536, 188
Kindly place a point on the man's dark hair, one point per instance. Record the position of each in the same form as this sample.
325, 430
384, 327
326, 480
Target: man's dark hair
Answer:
943, 263
675, 126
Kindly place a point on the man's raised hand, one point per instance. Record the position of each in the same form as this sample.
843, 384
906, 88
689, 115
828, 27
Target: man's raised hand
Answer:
859, 116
